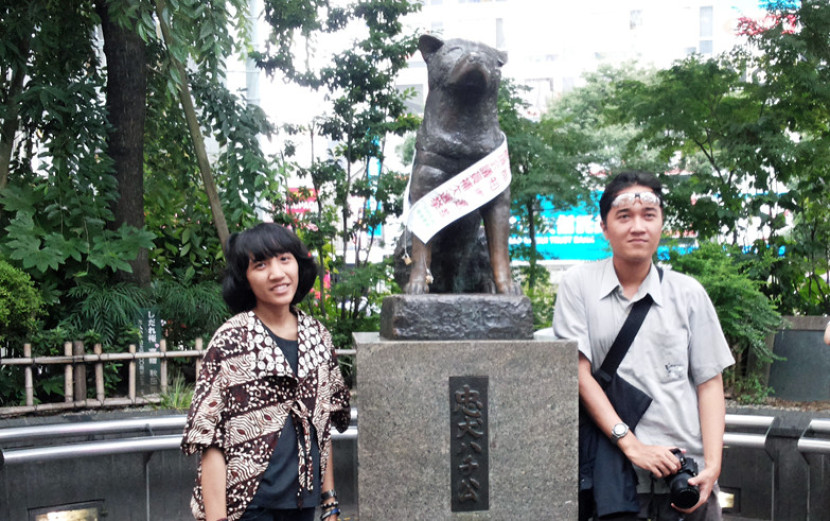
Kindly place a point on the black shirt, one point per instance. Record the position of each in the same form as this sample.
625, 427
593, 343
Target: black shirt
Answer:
281, 480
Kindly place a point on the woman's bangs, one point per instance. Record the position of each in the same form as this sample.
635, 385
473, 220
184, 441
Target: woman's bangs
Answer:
263, 246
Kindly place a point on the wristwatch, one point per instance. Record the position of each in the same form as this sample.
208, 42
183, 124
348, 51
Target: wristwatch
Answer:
618, 432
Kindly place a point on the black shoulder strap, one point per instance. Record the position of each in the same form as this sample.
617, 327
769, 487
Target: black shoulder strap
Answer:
626, 335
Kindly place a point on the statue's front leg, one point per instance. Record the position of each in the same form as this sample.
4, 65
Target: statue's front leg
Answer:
496, 216
420, 276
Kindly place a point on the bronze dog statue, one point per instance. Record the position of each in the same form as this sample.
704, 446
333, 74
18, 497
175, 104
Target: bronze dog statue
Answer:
460, 127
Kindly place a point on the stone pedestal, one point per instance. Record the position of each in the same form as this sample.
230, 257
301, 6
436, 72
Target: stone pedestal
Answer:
405, 427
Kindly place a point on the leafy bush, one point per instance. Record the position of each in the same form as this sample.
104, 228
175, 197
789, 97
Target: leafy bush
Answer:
540, 294
189, 310
746, 315
20, 304
178, 396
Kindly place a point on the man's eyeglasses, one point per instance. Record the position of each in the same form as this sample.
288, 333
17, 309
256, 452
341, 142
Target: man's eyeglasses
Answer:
627, 199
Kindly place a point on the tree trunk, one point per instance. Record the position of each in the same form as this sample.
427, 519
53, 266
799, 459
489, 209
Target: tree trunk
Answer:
8, 129
195, 134
531, 231
126, 102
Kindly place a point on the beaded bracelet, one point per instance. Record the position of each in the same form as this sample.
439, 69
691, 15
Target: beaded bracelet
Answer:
333, 504
330, 513
329, 494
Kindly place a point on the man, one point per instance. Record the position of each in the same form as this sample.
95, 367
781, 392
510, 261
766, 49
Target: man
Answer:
676, 357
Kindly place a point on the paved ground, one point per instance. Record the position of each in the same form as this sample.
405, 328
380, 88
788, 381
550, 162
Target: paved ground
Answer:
349, 513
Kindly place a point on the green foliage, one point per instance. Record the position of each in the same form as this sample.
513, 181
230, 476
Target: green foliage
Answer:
544, 162
752, 390
178, 397
190, 310
20, 304
746, 315
704, 113
748, 131
112, 311
364, 108
540, 293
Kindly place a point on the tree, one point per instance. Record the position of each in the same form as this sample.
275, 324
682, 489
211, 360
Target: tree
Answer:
750, 130
693, 110
126, 93
545, 163
794, 61
353, 188
72, 200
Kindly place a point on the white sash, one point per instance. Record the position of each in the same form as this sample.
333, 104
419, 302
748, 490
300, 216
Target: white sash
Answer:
462, 194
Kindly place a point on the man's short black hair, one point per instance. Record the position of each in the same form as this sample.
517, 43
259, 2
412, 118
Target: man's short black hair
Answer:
623, 180
262, 242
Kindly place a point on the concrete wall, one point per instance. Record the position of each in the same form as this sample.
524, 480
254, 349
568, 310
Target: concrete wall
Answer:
804, 373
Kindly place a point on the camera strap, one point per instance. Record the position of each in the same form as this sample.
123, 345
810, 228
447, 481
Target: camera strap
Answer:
625, 337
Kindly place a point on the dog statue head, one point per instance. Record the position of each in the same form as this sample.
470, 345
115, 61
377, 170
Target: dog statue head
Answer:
462, 65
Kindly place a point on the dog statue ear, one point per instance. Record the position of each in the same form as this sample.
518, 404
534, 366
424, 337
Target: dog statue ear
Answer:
502, 57
429, 45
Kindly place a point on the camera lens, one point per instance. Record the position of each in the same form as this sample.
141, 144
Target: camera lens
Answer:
684, 495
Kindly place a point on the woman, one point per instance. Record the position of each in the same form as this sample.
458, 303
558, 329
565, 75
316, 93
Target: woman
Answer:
268, 392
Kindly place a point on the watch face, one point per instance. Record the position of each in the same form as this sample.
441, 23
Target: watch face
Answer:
620, 429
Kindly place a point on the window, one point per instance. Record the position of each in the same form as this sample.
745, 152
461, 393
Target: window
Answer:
499, 33
707, 21
706, 47
635, 19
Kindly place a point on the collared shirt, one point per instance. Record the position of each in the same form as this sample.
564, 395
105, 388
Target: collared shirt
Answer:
679, 346
246, 390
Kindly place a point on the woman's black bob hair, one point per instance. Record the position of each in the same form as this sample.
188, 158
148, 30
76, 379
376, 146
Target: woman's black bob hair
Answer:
263, 241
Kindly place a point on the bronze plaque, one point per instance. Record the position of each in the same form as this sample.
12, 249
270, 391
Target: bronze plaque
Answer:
469, 447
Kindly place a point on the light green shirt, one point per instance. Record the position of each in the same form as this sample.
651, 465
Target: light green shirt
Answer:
679, 346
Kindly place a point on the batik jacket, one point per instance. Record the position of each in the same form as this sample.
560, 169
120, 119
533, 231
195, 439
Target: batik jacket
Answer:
244, 392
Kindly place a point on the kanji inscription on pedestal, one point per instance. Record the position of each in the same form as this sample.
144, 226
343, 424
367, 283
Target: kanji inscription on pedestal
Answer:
469, 447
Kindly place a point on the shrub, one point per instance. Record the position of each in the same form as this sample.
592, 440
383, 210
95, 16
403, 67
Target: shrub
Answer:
20, 306
747, 316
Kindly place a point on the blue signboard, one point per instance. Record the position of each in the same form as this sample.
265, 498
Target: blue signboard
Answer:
573, 234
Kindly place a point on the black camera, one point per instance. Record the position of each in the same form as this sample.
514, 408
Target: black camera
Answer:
682, 494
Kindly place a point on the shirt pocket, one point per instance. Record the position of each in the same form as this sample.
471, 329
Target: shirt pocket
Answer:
671, 355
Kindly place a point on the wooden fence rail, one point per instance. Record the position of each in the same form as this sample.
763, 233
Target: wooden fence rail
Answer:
75, 360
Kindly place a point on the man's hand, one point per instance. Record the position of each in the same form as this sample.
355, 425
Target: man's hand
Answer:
658, 460
706, 482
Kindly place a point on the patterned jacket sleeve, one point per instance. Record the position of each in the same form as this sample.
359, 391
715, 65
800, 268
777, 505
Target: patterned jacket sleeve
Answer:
205, 421
340, 398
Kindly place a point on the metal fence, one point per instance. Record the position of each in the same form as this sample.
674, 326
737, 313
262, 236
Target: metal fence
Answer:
144, 438
21, 446
782, 447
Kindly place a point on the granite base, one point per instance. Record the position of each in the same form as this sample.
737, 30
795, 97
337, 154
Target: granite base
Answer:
404, 442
